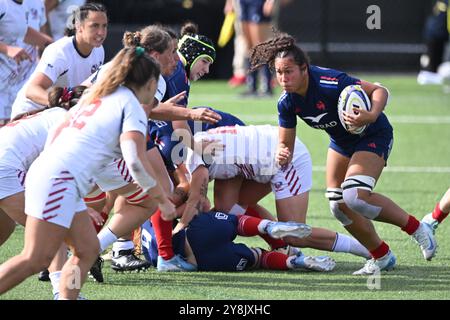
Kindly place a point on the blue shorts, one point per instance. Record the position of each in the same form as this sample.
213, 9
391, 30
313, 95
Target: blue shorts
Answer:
150, 247
379, 142
211, 238
252, 11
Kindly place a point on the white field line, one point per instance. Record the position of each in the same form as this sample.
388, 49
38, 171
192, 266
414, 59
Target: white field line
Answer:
400, 169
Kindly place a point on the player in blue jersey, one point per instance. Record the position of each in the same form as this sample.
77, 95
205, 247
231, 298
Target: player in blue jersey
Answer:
161, 135
354, 162
196, 53
208, 243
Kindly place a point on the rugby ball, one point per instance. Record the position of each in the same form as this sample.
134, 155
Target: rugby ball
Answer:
352, 97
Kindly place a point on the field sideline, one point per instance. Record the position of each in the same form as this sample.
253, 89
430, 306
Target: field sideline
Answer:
417, 175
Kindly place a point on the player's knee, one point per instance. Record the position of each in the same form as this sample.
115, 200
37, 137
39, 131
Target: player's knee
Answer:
37, 262
334, 196
356, 190
87, 252
6, 229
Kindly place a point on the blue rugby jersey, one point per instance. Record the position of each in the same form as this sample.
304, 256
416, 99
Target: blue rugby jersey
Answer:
318, 109
227, 120
160, 134
177, 82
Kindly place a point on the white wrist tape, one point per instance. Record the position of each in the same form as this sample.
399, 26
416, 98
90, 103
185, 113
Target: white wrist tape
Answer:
134, 164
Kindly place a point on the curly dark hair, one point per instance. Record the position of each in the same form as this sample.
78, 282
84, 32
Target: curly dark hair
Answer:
281, 46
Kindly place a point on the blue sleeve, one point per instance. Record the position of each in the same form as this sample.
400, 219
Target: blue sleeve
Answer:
344, 80
150, 143
177, 83
286, 115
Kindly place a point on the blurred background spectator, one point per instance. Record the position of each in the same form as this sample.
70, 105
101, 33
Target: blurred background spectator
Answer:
334, 33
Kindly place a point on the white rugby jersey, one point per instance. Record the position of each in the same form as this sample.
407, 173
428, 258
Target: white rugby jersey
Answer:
60, 16
249, 151
13, 27
22, 141
36, 18
89, 140
65, 66
160, 90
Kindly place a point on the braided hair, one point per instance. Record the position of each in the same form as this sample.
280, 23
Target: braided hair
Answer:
283, 45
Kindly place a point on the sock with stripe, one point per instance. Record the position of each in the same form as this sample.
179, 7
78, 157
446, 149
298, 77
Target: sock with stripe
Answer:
438, 214
380, 251
412, 225
347, 244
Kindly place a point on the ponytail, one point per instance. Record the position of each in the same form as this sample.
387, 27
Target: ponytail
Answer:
151, 38
131, 66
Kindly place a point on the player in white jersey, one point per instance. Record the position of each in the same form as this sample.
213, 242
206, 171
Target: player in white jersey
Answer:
68, 61
248, 161
110, 121
115, 179
36, 19
21, 142
13, 33
59, 13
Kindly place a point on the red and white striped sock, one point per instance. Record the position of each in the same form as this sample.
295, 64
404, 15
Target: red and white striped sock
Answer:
412, 225
438, 214
248, 226
380, 251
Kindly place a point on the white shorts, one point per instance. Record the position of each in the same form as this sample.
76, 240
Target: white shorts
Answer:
114, 176
296, 177
11, 181
51, 194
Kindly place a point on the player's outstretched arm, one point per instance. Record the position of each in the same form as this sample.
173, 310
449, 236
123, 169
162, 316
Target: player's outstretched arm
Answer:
132, 144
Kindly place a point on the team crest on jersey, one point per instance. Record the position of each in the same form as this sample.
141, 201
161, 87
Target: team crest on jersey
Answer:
95, 67
31, 15
320, 105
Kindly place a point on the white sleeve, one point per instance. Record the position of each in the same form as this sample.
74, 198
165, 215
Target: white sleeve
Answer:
193, 161
161, 90
93, 78
134, 118
2, 9
52, 64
